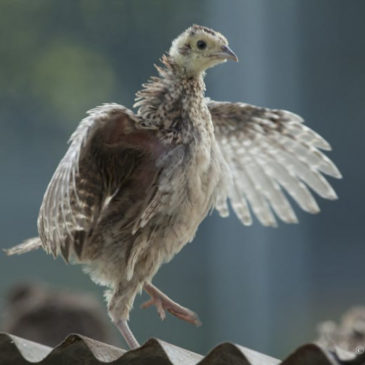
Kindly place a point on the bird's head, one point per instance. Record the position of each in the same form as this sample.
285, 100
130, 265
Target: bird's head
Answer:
199, 48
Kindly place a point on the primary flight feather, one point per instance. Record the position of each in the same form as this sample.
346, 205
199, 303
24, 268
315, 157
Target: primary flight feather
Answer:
133, 188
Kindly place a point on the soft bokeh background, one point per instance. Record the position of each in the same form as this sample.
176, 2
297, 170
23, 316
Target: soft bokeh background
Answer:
260, 287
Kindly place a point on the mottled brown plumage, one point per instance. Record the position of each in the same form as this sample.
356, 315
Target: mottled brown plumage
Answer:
133, 188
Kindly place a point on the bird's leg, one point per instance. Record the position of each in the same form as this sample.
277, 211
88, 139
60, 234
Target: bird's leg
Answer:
119, 306
127, 334
163, 302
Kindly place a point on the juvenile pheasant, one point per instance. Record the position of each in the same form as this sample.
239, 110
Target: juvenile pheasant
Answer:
133, 188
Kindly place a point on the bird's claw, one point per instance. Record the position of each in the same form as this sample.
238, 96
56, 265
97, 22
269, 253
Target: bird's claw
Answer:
174, 308
158, 304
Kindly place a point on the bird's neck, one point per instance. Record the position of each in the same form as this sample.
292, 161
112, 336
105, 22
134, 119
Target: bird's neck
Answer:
168, 101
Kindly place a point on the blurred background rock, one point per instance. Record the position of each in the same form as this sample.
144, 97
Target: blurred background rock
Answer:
47, 316
260, 287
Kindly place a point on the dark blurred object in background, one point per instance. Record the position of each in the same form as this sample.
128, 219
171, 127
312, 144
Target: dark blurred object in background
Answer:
348, 335
47, 316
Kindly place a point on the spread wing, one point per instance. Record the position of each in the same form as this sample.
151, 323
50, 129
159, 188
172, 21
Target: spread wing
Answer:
104, 150
269, 151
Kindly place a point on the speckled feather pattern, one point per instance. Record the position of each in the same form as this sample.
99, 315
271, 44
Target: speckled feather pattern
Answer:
124, 209
269, 151
133, 188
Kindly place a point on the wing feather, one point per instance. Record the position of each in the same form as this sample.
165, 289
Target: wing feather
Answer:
271, 190
269, 151
77, 193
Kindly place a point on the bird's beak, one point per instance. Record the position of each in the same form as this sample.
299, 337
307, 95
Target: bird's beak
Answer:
228, 54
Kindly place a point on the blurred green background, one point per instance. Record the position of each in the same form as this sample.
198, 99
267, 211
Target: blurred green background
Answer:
260, 287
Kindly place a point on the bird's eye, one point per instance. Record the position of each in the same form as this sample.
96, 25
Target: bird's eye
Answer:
201, 44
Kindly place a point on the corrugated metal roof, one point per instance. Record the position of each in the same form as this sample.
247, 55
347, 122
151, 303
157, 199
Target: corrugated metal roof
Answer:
77, 350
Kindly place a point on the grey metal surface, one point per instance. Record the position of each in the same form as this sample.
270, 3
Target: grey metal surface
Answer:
77, 349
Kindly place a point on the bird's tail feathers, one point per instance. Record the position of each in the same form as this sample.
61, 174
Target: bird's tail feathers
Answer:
24, 247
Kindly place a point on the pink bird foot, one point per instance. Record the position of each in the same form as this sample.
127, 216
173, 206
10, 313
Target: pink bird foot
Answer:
164, 303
